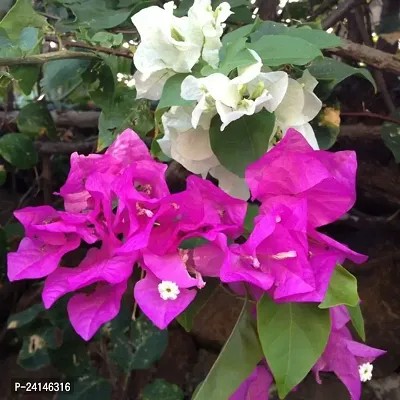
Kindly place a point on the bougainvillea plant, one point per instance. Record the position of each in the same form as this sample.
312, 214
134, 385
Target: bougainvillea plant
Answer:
236, 107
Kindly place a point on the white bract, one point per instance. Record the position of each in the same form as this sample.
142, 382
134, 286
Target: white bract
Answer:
212, 26
365, 371
231, 183
299, 106
151, 87
190, 147
248, 93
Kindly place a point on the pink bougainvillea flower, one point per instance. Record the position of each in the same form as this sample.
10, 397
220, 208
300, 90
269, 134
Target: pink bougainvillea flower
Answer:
162, 300
347, 359
36, 259
224, 212
292, 167
98, 265
43, 221
126, 149
275, 256
87, 312
256, 386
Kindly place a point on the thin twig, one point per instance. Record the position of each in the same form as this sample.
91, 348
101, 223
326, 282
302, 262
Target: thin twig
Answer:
325, 6
370, 115
338, 14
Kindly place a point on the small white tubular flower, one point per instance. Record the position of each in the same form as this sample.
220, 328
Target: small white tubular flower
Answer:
231, 183
168, 290
365, 371
211, 24
188, 146
167, 42
299, 106
150, 87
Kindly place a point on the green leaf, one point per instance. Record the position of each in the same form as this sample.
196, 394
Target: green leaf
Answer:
186, 319
334, 72
33, 354
342, 289
357, 320
193, 242
88, 387
390, 132
20, 16
107, 39
236, 361
243, 141
3, 175
241, 15
25, 317
237, 34
171, 94
276, 50
293, 336
29, 39
233, 55
317, 37
95, 15
26, 76
35, 120
14, 231
61, 74
18, 150
146, 345
125, 112
252, 212
160, 389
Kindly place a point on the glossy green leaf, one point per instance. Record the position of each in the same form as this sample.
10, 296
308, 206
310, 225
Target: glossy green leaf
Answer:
390, 132
26, 76
160, 389
334, 72
357, 320
29, 39
326, 126
317, 37
88, 387
233, 55
20, 16
192, 243
35, 120
33, 354
18, 150
236, 361
237, 34
342, 289
252, 212
186, 319
293, 336
243, 141
24, 317
171, 94
276, 50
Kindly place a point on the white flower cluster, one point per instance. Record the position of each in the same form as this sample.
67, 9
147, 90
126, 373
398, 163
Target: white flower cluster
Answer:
171, 45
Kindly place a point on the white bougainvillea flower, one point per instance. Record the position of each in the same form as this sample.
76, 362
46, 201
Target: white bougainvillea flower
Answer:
188, 146
231, 183
299, 106
215, 88
212, 26
167, 42
151, 87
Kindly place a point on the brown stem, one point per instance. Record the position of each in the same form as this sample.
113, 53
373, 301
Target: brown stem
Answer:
338, 14
373, 57
370, 115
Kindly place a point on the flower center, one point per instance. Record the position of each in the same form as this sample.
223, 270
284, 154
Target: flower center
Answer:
168, 290
143, 211
176, 35
365, 371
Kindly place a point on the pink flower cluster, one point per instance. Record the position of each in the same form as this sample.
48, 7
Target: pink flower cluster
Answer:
120, 202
